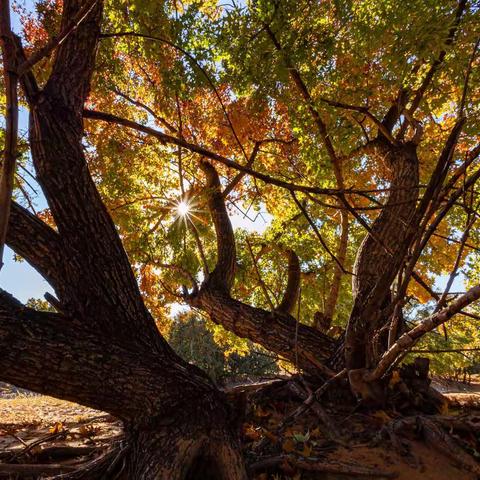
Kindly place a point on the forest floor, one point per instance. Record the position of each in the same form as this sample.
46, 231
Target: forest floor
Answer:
320, 442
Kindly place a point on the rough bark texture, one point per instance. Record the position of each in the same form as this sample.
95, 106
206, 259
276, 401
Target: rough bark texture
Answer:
273, 330
381, 254
292, 289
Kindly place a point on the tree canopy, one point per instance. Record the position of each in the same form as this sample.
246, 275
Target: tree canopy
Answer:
293, 92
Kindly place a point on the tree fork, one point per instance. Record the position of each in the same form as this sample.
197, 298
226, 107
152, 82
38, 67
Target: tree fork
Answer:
277, 330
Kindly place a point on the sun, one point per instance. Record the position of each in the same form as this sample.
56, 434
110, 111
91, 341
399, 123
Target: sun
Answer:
183, 208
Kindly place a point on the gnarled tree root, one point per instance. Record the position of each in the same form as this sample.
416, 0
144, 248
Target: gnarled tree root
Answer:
435, 437
351, 469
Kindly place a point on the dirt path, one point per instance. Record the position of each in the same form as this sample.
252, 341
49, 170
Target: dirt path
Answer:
459, 393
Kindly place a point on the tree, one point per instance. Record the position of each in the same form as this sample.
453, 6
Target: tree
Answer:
193, 339
389, 108
355, 124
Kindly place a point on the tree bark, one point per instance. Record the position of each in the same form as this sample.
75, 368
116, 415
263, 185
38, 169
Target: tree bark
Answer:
381, 255
308, 350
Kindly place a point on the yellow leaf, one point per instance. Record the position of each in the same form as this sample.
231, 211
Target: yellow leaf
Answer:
88, 430
57, 428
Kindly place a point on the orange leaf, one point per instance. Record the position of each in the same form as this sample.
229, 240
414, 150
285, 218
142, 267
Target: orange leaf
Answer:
288, 446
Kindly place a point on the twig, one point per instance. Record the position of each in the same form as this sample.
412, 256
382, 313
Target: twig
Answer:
46, 438
192, 59
317, 232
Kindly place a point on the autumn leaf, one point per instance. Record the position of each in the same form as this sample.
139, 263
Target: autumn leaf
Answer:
288, 446
56, 428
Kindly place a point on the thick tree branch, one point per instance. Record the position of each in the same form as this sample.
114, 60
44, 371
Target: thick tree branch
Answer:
292, 289
56, 355
69, 82
38, 244
275, 331
204, 152
429, 202
223, 274
56, 40
101, 284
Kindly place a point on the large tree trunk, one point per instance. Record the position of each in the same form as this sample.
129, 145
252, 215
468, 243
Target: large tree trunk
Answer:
192, 446
102, 349
381, 254
175, 419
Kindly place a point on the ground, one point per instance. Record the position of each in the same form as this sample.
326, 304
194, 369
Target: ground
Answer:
326, 443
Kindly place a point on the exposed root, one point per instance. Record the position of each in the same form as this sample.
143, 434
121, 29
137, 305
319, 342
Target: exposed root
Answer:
313, 465
435, 437
108, 466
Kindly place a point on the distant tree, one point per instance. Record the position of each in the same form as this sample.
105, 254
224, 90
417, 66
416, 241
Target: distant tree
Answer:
195, 343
